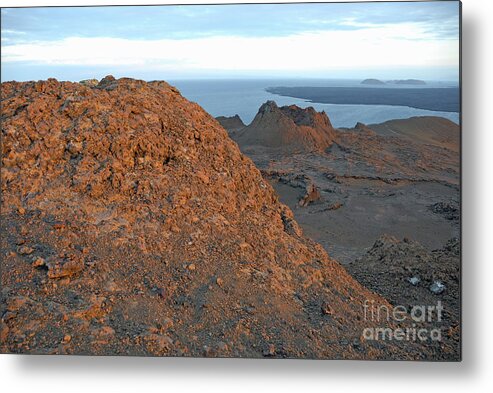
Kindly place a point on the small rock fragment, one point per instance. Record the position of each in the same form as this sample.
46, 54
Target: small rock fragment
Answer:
269, 351
203, 177
312, 195
74, 148
111, 286
414, 280
25, 250
356, 343
326, 309
161, 293
67, 269
334, 206
89, 82
244, 246
209, 351
4, 331
437, 287
38, 262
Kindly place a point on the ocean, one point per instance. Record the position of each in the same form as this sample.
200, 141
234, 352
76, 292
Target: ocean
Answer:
228, 97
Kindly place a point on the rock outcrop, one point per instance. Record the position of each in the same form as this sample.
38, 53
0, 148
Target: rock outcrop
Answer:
89, 82
288, 128
363, 129
232, 124
312, 195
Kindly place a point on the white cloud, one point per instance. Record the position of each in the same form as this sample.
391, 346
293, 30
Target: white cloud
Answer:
9, 31
385, 46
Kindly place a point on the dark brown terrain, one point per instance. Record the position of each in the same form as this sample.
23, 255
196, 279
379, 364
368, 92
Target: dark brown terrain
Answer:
132, 225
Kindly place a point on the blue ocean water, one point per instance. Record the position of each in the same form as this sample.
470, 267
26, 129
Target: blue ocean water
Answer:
228, 97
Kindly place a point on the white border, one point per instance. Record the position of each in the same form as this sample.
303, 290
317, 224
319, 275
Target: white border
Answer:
88, 374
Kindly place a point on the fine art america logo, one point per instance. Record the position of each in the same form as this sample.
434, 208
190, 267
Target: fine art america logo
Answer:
411, 324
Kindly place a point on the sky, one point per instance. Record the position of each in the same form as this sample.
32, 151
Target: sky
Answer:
333, 40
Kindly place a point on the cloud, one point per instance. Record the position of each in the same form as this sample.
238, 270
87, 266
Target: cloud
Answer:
260, 20
15, 32
405, 44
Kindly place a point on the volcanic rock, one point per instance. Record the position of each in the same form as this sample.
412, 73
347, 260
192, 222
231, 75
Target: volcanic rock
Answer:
312, 195
289, 128
449, 210
89, 82
364, 129
125, 185
231, 124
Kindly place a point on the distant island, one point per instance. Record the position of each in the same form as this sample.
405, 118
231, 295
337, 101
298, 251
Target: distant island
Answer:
378, 82
373, 82
414, 82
